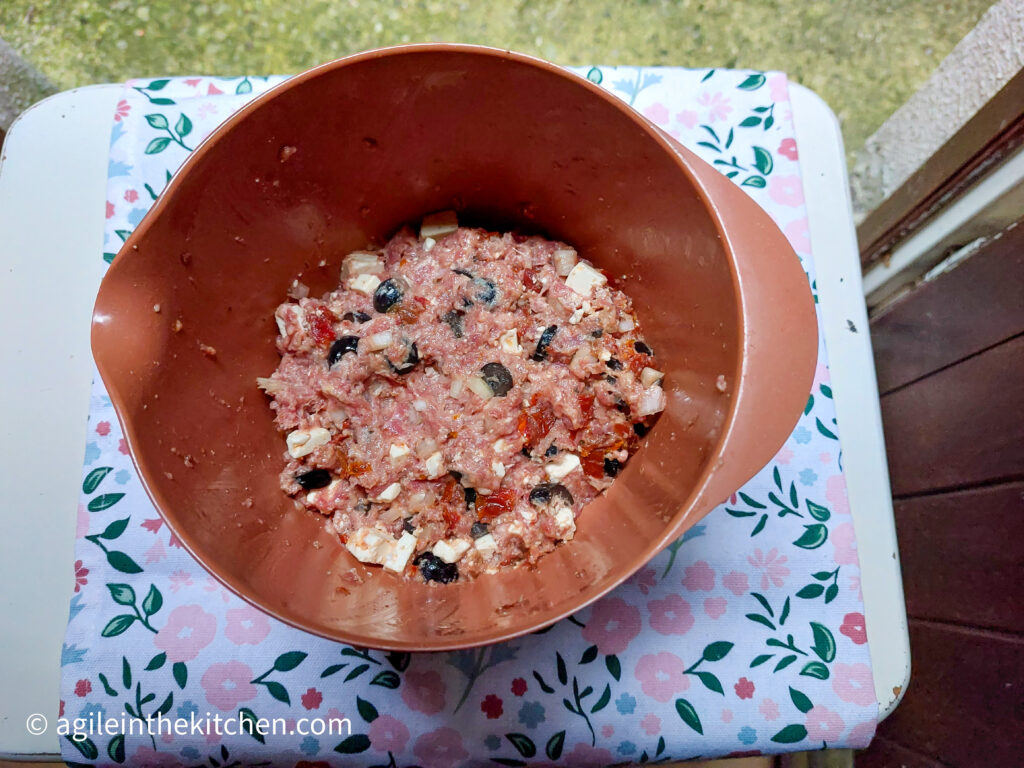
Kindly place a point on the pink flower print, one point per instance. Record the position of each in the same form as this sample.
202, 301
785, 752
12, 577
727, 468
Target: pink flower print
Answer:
491, 706
860, 735
151, 758
769, 709
836, 496
787, 148
131, 196
644, 580
717, 104
612, 625
772, 567
122, 446
103, 428
80, 573
784, 456
786, 190
661, 675
670, 616
246, 626
424, 692
518, 687
83, 688
825, 457
122, 110
854, 583
179, 580
174, 541
853, 628
778, 87
798, 235
844, 541
607, 731
715, 607
651, 724
585, 756
657, 113
83, 522
212, 585
213, 90
188, 630
152, 524
193, 81
736, 583
824, 725
699, 577
227, 684
155, 553
388, 734
441, 748
206, 109
312, 699
744, 688
727, 716
853, 683
687, 118
110, 210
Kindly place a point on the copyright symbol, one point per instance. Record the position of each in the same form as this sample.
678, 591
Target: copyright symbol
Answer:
36, 724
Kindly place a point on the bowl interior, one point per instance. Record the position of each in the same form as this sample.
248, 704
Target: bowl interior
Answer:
379, 140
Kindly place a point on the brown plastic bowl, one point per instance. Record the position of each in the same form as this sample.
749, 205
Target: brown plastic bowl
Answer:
381, 139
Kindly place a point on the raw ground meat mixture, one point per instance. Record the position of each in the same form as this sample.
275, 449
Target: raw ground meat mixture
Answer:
460, 398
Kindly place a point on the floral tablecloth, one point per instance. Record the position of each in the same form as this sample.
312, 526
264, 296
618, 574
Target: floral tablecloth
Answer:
745, 636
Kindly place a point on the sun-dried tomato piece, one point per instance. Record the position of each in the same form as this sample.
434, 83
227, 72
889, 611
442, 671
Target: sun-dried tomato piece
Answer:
536, 421
321, 324
499, 502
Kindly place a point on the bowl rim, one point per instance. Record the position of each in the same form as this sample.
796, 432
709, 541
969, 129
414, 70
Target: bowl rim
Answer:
441, 642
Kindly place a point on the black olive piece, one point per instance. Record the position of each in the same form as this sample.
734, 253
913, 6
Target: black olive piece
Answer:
407, 525
456, 474
356, 317
641, 429
612, 466
315, 478
470, 498
545, 493
642, 348
622, 406
411, 360
387, 295
552, 450
342, 347
614, 364
487, 293
466, 302
598, 333
610, 379
454, 320
525, 450
498, 378
433, 568
463, 272
543, 343
478, 530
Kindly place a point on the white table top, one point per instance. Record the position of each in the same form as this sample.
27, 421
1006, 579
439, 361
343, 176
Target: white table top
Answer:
52, 192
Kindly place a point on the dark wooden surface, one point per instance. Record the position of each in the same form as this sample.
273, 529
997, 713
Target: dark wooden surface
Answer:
950, 361
961, 426
960, 561
948, 320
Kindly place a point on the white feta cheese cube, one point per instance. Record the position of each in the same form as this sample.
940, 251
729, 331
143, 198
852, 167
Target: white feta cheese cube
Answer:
368, 545
399, 553
604, 355
428, 244
450, 550
375, 342
565, 523
486, 545
398, 450
564, 259
649, 376
498, 468
438, 224
364, 283
435, 465
302, 442
652, 400
583, 279
322, 494
390, 493
361, 263
561, 466
579, 313
509, 342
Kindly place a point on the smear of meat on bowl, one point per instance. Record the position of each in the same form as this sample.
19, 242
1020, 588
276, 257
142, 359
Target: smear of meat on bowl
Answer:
456, 402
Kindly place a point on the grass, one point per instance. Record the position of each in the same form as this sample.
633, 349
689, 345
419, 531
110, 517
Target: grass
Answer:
865, 57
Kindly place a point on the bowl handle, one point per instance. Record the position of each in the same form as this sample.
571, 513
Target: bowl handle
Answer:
779, 336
